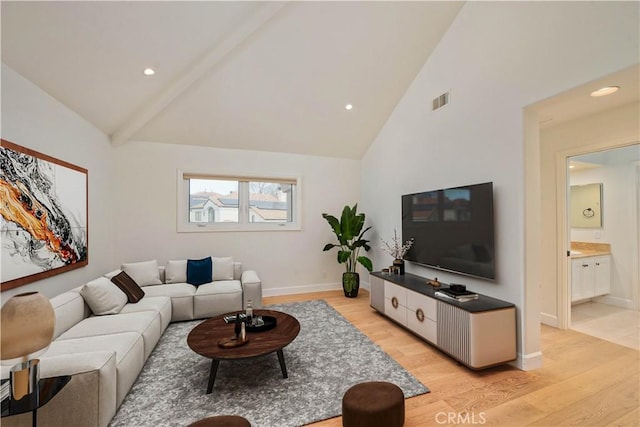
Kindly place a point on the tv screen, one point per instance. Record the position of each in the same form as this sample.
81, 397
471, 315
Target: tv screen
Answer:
452, 229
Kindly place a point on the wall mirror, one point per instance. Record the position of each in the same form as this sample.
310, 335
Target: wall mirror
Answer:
586, 206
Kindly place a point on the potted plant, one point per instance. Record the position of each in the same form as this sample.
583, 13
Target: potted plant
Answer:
350, 234
397, 250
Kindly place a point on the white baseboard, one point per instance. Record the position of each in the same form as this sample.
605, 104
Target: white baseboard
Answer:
617, 301
531, 361
305, 289
549, 319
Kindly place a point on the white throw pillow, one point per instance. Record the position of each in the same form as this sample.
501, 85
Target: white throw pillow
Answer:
143, 273
176, 271
103, 297
112, 274
222, 268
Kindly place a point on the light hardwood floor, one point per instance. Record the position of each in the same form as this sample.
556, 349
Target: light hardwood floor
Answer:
585, 381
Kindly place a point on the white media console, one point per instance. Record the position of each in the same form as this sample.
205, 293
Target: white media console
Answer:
478, 333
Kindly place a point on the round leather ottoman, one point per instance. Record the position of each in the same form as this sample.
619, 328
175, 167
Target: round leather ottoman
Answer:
222, 421
373, 404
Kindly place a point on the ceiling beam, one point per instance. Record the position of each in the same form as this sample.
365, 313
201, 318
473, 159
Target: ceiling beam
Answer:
195, 72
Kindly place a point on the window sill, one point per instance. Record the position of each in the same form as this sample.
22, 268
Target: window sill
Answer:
208, 228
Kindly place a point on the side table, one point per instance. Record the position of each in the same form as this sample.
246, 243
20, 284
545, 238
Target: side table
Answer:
48, 388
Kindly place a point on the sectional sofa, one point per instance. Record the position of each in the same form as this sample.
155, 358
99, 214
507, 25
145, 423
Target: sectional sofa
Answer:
103, 340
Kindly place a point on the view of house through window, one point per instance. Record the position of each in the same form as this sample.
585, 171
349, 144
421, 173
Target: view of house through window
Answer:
240, 201
270, 202
212, 200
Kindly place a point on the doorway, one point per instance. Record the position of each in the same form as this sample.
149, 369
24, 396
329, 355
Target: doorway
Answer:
603, 189
567, 124
550, 140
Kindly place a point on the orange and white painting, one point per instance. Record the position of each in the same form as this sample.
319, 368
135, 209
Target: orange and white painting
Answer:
44, 224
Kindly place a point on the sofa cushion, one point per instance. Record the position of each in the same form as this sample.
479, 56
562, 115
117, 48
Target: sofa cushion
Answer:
158, 304
89, 399
219, 287
222, 268
69, 310
129, 286
215, 298
103, 297
145, 323
176, 271
181, 295
129, 349
199, 271
144, 273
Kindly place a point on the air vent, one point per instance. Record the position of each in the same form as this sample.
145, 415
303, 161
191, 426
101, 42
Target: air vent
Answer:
440, 101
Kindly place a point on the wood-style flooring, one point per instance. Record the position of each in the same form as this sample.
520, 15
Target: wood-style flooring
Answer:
585, 381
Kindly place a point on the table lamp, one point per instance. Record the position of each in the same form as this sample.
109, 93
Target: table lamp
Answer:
26, 324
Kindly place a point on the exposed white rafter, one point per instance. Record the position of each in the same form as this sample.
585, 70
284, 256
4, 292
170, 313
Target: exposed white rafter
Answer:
195, 72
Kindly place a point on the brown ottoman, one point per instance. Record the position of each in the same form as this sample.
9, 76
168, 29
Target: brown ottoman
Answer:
222, 421
373, 404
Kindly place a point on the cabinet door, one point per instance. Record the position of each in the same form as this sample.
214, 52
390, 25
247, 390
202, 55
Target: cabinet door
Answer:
602, 275
428, 305
422, 313
395, 302
395, 292
579, 271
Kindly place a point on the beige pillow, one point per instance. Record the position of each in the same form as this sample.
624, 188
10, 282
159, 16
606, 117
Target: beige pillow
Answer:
103, 297
176, 271
222, 268
112, 274
144, 273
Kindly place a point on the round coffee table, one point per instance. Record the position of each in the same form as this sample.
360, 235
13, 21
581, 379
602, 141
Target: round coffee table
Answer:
204, 338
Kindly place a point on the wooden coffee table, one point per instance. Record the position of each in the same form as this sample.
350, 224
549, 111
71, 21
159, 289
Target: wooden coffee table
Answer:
203, 339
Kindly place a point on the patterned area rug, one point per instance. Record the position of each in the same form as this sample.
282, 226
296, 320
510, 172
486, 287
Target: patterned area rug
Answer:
328, 356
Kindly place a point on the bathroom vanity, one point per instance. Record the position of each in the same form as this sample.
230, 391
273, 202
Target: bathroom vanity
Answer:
590, 270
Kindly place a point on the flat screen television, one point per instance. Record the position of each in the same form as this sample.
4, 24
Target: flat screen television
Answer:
452, 229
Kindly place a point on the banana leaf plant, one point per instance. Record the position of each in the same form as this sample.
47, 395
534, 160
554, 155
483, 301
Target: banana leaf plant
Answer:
350, 234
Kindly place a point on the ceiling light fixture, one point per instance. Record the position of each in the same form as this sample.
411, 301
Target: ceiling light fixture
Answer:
348, 107
604, 91
149, 71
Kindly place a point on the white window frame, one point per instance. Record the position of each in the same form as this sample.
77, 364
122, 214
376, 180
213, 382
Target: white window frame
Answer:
243, 224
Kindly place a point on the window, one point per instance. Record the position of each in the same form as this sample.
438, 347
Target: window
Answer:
237, 203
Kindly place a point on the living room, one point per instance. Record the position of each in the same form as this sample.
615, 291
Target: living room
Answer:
495, 60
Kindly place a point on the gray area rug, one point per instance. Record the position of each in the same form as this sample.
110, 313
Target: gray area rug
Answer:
328, 356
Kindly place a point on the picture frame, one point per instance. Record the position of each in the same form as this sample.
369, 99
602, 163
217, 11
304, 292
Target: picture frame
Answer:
44, 228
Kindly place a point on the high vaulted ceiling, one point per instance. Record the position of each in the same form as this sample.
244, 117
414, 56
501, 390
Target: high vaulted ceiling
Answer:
272, 76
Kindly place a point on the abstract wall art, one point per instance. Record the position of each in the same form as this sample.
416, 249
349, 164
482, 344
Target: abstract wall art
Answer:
43, 215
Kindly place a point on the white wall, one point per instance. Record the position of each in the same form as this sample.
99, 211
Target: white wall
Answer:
496, 58
619, 226
33, 119
286, 261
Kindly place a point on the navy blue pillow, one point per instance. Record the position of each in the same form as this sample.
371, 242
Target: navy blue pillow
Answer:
199, 271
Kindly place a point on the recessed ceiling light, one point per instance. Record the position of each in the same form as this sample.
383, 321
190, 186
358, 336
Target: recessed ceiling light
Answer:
603, 91
149, 71
571, 166
348, 107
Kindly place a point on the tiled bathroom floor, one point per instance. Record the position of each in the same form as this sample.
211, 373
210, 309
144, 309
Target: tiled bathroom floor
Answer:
607, 322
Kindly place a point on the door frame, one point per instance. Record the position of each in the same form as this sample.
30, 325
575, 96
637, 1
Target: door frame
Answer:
562, 223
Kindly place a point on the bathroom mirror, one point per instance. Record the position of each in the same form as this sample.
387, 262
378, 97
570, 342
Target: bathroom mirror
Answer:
586, 206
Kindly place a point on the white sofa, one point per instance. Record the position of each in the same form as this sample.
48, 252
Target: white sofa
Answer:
105, 353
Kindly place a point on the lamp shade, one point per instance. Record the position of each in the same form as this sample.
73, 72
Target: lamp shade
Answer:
27, 322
